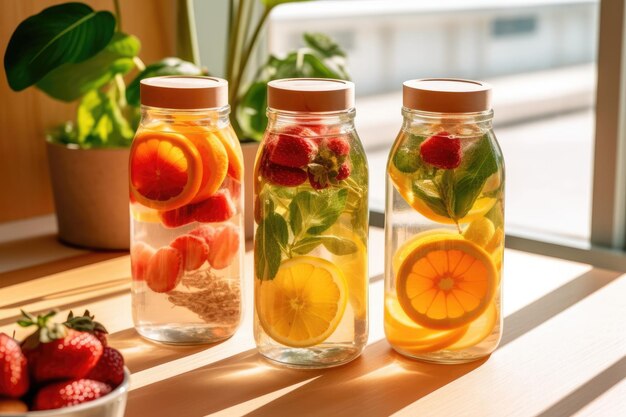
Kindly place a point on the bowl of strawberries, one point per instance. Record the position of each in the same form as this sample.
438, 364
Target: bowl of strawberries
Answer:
62, 369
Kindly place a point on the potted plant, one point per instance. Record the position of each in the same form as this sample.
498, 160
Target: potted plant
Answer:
76, 54
320, 57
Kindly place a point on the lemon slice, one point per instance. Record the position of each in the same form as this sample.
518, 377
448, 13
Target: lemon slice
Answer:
354, 268
304, 303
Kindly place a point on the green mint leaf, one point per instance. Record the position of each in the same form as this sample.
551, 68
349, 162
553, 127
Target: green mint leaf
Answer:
306, 245
426, 191
479, 162
407, 158
331, 206
314, 212
339, 245
271, 236
446, 190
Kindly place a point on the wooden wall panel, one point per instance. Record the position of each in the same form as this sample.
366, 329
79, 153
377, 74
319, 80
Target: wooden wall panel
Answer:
25, 116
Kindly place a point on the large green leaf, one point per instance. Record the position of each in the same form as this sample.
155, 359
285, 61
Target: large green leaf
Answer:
70, 32
321, 58
71, 81
100, 122
251, 110
167, 66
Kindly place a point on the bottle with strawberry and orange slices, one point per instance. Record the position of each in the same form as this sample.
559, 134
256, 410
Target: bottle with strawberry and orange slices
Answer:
311, 214
186, 212
444, 224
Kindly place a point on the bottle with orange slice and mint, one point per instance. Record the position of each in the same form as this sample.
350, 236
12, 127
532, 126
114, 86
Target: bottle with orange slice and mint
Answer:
311, 214
444, 224
185, 178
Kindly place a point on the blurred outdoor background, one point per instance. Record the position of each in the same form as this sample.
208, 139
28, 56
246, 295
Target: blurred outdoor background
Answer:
539, 55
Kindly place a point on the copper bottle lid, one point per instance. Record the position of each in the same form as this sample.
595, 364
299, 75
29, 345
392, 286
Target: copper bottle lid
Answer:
184, 92
310, 95
446, 95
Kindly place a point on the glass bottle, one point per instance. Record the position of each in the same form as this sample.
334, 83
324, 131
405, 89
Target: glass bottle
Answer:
444, 224
185, 175
311, 214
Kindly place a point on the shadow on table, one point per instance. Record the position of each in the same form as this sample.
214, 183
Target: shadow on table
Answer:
140, 353
378, 383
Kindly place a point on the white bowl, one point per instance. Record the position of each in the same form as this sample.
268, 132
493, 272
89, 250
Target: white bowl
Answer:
111, 405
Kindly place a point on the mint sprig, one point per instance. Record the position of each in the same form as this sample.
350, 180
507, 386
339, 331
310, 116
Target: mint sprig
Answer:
300, 230
452, 193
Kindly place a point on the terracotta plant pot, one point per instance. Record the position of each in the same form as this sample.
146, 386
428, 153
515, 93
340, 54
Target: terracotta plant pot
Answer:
90, 188
249, 155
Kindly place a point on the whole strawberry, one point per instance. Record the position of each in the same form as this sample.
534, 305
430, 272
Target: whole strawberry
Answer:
282, 175
110, 368
13, 369
68, 393
343, 172
55, 351
337, 145
441, 151
86, 323
292, 151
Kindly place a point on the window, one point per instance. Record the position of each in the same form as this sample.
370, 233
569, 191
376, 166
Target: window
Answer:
539, 56
544, 59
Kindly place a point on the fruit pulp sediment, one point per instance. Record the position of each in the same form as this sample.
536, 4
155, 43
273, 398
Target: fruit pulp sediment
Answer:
186, 227
444, 235
310, 246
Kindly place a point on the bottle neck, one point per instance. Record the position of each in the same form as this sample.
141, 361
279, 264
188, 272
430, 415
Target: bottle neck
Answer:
215, 118
457, 124
342, 121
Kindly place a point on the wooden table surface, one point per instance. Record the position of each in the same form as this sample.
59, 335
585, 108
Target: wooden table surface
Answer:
563, 351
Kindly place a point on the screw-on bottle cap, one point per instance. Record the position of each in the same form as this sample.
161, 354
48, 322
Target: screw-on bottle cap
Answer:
310, 95
184, 92
446, 95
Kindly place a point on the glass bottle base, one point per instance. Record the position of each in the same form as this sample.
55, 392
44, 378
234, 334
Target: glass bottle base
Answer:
177, 334
311, 358
444, 358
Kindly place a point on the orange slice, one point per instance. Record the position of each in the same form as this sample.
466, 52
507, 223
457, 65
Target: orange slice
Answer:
478, 330
165, 170
446, 283
416, 240
214, 162
235, 156
412, 338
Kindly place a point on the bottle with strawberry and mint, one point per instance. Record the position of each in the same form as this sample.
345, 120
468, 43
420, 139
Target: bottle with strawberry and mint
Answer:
186, 212
444, 224
311, 214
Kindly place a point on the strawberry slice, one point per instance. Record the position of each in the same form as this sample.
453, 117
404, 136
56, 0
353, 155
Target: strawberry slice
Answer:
178, 217
225, 246
193, 249
13, 370
68, 393
441, 151
217, 208
165, 270
140, 254
109, 369
206, 232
